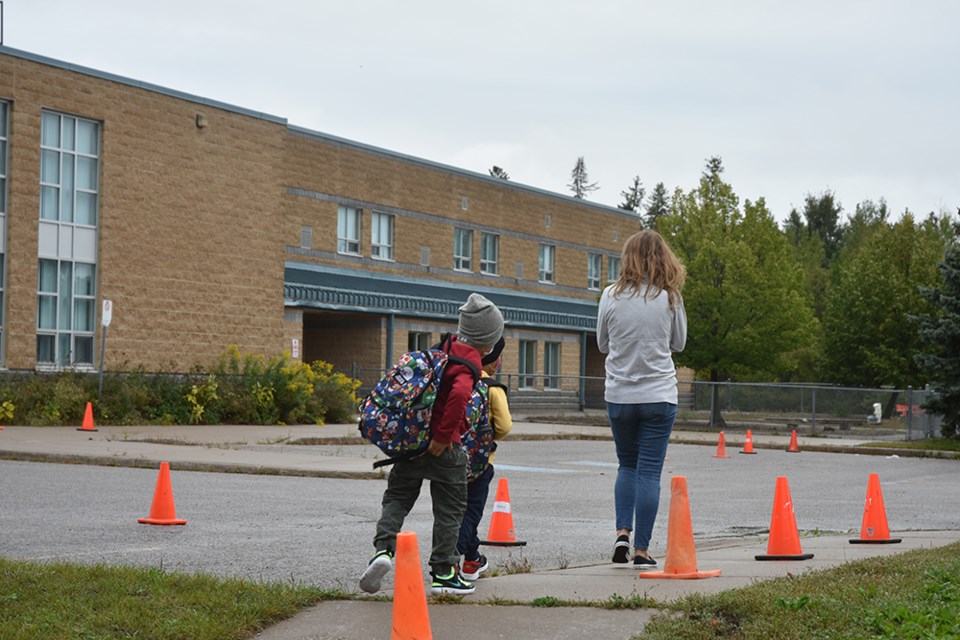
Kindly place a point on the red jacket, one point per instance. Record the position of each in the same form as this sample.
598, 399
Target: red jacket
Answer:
449, 417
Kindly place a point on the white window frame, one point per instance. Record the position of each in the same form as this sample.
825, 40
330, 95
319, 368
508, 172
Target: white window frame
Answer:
551, 365
613, 268
462, 249
594, 267
527, 365
546, 264
489, 253
381, 236
58, 302
348, 230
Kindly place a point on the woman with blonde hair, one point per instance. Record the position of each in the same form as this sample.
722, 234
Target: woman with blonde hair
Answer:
640, 323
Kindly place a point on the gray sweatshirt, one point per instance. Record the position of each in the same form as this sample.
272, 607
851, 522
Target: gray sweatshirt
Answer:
638, 337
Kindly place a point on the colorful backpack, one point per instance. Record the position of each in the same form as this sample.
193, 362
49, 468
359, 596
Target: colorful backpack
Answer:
395, 415
478, 440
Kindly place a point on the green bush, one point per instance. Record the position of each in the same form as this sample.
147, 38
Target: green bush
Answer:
238, 389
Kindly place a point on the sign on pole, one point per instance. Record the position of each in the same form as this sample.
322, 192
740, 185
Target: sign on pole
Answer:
107, 314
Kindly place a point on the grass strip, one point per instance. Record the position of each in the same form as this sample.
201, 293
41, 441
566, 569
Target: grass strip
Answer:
62, 600
911, 596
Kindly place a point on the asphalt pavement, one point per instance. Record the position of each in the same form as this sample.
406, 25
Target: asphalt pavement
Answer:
280, 450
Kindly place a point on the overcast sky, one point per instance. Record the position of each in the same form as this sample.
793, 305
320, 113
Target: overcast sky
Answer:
857, 97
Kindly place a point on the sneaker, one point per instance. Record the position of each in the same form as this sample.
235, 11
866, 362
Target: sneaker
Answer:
639, 562
452, 584
473, 568
621, 550
373, 574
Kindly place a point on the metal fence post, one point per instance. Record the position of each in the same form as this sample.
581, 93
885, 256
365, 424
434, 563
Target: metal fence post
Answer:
909, 412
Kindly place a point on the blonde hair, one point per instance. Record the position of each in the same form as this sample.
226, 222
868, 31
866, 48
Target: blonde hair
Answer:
647, 259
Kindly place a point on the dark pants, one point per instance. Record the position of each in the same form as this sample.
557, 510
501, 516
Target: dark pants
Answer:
477, 491
447, 474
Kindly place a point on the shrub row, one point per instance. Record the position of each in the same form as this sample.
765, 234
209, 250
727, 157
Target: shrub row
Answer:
239, 389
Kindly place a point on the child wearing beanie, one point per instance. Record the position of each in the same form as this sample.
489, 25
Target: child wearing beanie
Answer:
444, 464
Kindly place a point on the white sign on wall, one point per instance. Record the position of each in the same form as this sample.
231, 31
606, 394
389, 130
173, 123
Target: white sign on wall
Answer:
107, 314
295, 348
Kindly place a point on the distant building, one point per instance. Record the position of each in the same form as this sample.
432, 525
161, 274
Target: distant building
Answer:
208, 225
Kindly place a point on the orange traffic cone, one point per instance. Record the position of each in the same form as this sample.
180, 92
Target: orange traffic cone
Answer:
87, 419
163, 511
410, 618
721, 448
793, 448
748, 443
501, 533
681, 561
784, 542
874, 529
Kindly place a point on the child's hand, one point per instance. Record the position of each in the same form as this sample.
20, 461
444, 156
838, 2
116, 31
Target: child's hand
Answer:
435, 448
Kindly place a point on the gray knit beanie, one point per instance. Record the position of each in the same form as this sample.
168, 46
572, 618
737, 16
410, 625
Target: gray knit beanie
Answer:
481, 323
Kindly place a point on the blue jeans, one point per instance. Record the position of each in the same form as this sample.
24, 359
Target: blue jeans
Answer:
640, 433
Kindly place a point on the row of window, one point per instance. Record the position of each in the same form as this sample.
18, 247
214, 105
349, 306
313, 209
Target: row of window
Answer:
381, 248
526, 365
69, 193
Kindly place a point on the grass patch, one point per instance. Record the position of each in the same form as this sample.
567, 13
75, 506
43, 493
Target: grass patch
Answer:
62, 600
930, 444
915, 595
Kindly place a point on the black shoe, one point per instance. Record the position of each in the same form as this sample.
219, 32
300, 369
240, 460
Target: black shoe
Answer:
373, 574
452, 584
639, 562
621, 550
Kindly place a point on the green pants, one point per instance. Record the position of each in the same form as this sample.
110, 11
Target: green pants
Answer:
447, 474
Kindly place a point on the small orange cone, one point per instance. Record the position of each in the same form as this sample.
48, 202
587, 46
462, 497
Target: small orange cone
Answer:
163, 511
410, 618
874, 529
681, 561
501, 533
793, 448
87, 419
721, 448
784, 541
748, 443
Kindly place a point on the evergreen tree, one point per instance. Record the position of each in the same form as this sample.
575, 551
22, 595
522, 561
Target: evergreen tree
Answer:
657, 206
497, 172
941, 332
823, 219
579, 182
633, 196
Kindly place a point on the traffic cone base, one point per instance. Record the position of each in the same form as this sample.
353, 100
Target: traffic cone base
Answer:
721, 448
162, 511
793, 446
681, 560
410, 617
874, 529
784, 540
87, 419
501, 532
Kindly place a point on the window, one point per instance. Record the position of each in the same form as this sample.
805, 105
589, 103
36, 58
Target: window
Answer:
381, 236
547, 252
348, 230
4, 110
489, 253
418, 340
462, 249
66, 295
528, 364
551, 365
613, 268
69, 193
594, 262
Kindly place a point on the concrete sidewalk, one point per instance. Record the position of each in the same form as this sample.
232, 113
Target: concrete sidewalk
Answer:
272, 449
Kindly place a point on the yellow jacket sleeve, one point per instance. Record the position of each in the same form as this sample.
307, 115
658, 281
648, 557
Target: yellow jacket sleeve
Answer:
499, 412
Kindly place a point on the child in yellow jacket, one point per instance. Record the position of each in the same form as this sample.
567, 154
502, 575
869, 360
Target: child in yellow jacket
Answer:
474, 563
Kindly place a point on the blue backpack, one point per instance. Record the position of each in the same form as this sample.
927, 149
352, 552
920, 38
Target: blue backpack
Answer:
478, 441
396, 413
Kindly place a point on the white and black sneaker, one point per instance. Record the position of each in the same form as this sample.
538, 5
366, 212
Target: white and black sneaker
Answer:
451, 584
621, 550
639, 562
373, 574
